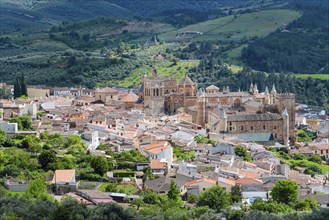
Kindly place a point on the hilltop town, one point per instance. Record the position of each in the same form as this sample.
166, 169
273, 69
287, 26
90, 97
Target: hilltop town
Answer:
113, 145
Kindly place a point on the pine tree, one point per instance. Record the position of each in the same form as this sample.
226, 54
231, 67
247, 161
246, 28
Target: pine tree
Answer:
23, 86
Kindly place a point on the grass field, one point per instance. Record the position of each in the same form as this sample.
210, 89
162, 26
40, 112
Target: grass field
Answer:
235, 28
314, 76
303, 163
233, 56
127, 189
164, 69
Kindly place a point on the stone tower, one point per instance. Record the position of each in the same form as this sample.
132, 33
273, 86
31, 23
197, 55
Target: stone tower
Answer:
223, 122
285, 127
267, 96
287, 101
155, 90
201, 109
272, 95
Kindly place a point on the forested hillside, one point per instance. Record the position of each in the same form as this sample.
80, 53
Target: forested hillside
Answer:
278, 37
302, 47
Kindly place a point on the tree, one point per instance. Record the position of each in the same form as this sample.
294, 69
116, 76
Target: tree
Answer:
192, 198
2, 137
5, 92
236, 194
37, 190
112, 188
17, 89
173, 193
47, 158
147, 174
285, 191
24, 123
269, 206
99, 164
112, 211
31, 143
215, 197
307, 204
138, 202
23, 86
242, 152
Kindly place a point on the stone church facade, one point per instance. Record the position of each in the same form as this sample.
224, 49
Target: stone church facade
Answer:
223, 111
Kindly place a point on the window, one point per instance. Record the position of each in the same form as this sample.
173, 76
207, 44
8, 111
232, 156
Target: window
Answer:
274, 127
241, 128
264, 127
252, 128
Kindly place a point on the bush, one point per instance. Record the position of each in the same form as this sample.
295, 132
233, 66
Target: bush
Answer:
91, 177
316, 159
123, 174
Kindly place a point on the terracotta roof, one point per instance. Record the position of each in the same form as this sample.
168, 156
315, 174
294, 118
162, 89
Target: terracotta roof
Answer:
156, 148
85, 98
157, 164
157, 145
245, 181
63, 176
131, 97
109, 90
208, 180
249, 174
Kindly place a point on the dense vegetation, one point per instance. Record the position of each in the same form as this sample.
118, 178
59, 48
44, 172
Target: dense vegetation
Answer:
300, 48
105, 51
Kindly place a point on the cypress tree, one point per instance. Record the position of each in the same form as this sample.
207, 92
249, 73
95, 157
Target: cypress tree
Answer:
17, 89
23, 86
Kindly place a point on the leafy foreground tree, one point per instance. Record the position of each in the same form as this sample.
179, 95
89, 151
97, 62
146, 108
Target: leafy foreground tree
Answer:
307, 204
99, 164
270, 206
38, 190
24, 123
215, 198
236, 194
285, 191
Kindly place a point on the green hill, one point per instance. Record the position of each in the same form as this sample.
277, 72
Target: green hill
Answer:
236, 27
21, 14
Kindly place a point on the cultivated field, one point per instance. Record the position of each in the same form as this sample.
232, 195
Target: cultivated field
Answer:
238, 27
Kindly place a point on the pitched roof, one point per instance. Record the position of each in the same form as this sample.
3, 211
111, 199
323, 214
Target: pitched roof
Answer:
212, 87
156, 148
244, 181
261, 136
85, 98
131, 97
108, 90
63, 176
255, 117
186, 81
158, 164
196, 181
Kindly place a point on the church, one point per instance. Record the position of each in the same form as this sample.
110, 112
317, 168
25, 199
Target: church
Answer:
222, 111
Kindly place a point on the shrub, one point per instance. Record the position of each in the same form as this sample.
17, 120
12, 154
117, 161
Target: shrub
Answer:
123, 174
